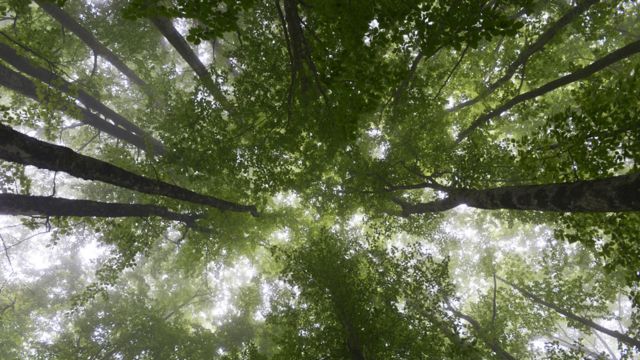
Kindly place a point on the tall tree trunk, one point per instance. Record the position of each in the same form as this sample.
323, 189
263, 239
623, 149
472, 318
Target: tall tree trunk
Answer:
19, 148
569, 315
25, 86
172, 35
492, 344
9, 55
618, 193
577, 75
526, 53
352, 338
98, 48
13, 204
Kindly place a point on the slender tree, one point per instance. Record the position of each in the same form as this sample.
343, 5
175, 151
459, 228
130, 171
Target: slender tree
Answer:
529, 51
19, 148
25, 86
98, 48
481, 333
609, 59
14, 204
9, 55
617, 193
569, 315
172, 35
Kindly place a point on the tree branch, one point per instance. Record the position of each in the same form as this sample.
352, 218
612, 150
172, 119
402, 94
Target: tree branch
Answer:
19, 148
617, 193
525, 54
14, 204
609, 59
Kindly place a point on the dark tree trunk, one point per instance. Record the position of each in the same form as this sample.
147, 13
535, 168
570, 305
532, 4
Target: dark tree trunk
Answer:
69, 23
172, 35
13, 204
618, 193
569, 315
19, 148
23, 85
583, 73
22, 64
525, 54
480, 333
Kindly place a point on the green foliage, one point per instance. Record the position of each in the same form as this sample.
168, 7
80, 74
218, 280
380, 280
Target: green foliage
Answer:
332, 119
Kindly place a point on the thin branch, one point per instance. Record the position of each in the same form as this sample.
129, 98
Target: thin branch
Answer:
287, 40
495, 290
27, 238
6, 253
526, 53
606, 346
480, 333
10, 305
89, 141
453, 70
51, 64
611, 58
570, 315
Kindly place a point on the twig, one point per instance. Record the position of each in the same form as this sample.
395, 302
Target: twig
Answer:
495, 287
27, 238
6, 252
89, 142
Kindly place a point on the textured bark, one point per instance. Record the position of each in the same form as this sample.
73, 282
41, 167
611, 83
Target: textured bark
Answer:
23, 85
480, 333
569, 315
19, 148
98, 48
618, 193
176, 40
13, 204
525, 54
9, 55
583, 73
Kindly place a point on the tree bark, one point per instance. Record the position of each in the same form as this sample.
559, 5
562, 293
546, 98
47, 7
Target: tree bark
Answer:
19, 148
14, 204
618, 193
9, 55
98, 48
583, 73
525, 54
492, 344
23, 85
569, 315
172, 35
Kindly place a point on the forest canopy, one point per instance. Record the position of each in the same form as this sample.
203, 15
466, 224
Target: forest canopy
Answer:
320, 179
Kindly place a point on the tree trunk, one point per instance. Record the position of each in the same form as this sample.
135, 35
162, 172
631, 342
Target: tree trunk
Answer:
525, 54
618, 193
492, 344
13, 204
69, 23
19, 148
583, 73
23, 85
172, 35
22, 64
569, 315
